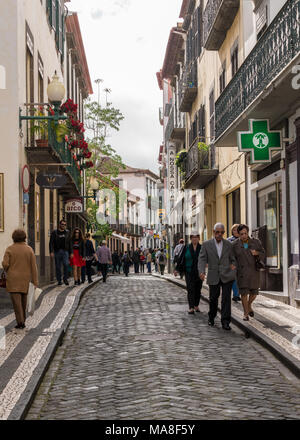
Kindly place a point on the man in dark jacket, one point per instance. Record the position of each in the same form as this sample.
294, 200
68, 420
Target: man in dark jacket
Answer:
60, 249
116, 262
136, 260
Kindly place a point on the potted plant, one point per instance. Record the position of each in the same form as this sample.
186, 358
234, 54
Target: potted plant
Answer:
40, 128
203, 155
180, 161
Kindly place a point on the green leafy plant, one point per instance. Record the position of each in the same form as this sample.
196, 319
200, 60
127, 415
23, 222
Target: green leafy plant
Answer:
180, 161
204, 155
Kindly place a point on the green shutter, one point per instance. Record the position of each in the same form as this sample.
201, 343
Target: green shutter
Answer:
59, 25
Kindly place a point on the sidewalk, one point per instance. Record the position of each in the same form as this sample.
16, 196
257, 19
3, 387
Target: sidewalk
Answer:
27, 353
275, 325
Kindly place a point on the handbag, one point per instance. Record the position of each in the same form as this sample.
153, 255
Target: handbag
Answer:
259, 264
3, 280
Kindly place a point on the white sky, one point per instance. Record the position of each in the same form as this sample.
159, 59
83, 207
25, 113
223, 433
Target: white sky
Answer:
125, 43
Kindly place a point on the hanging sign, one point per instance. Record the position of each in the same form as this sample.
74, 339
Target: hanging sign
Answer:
74, 206
260, 141
51, 181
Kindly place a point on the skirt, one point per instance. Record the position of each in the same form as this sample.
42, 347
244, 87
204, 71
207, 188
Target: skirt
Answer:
77, 259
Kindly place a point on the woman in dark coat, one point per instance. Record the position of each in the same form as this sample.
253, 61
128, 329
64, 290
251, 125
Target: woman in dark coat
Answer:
188, 264
246, 251
126, 260
90, 256
77, 258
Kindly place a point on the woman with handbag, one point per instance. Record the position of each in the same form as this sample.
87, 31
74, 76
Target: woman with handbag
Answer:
19, 263
188, 265
248, 253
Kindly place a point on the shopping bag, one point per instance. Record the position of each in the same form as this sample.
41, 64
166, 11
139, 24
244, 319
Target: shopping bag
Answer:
30, 300
37, 293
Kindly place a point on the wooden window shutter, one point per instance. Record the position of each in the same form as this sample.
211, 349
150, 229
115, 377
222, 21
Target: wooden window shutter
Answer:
53, 14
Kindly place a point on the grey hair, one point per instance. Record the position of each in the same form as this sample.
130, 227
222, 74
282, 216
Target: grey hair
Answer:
219, 225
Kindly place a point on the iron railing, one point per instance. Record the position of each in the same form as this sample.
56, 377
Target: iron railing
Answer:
188, 80
273, 52
209, 16
196, 160
172, 124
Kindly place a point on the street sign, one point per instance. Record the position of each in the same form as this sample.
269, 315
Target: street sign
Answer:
161, 213
25, 198
74, 206
51, 181
260, 141
25, 178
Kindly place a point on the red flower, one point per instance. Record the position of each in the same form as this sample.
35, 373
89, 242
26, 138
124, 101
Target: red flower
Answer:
69, 107
83, 145
87, 154
51, 111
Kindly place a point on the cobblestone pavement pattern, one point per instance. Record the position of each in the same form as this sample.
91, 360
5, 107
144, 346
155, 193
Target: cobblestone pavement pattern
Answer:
132, 352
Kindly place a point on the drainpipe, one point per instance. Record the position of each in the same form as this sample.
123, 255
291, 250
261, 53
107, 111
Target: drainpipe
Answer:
297, 124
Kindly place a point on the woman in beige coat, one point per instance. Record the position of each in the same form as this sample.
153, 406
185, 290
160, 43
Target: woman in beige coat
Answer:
19, 263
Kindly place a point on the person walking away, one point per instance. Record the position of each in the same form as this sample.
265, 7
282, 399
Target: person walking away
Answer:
115, 262
149, 260
142, 262
154, 260
126, 260
60, 249
162, 261
121, 261
218, 254
234, 236
136, 260
77, 258
104, 258
90, 255
19, 263
247, 251
188, 264
177, 251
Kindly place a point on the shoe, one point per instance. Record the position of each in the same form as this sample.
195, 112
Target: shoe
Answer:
191, 312
235, 299
197, 310
239, 298
251, 314
20, 326
226, 327
59, 283
66, 282
211, 323
90, 281
246, 318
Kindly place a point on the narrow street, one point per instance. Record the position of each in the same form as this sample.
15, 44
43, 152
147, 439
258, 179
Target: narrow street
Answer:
133, 352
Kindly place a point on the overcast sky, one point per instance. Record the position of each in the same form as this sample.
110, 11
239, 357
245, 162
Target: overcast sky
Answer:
125, 43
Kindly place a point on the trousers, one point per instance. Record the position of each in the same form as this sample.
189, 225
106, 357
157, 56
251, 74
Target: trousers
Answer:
214, 293
104, 270
194, 286
61, 258
19, 301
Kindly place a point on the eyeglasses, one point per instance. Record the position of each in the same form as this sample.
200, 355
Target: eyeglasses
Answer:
220, 232
63, 225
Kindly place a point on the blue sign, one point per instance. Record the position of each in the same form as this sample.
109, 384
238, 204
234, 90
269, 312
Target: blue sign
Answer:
26, 198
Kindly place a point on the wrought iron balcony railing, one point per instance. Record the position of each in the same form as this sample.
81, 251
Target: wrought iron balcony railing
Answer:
198, 167
175, 130
188, 87
218, 16
277, 47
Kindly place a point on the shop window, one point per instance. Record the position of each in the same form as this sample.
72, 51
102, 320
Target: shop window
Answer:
233, 208
269, 204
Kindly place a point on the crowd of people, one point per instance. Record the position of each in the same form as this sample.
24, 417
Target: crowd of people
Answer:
231, 264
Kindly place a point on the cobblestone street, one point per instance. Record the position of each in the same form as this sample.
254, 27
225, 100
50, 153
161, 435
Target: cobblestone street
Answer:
133, 352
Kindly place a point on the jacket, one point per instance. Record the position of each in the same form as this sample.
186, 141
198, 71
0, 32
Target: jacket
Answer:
219, 269
54, 241
89, 248
247, 275
19, 263
82, 251
181, 266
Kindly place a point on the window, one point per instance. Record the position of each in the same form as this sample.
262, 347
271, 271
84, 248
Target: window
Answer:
261, 18
234, 59
222, 78
201, 124
40, 80
269, 211
212, 114
233, 209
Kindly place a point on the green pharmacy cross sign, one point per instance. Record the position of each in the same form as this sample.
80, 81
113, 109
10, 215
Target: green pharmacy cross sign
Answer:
260, 140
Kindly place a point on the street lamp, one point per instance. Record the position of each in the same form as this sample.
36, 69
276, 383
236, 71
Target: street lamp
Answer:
95, 188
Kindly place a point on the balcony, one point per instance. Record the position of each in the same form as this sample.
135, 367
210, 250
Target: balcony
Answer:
188, 87
56, 153
218, 17
174, 131
199, 171
262, 87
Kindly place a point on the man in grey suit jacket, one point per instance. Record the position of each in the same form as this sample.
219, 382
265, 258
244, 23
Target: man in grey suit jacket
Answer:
218, 255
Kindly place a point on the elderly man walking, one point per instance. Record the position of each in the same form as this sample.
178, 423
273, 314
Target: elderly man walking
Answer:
104, 259
218, 254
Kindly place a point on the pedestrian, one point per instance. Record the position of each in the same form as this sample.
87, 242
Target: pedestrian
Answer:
149, 260
115, 262
19, 263
104, 259
218, 254
126, 260
142, 262
234, 236
60, 250
248, 251
154, 260
136, 260
177, 251
77, 258
162, 261
188, 264
120, 259
90, 256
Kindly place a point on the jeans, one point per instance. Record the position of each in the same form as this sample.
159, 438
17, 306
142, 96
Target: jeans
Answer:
235, 290
62, 258
149, 267
87, 271
136, 267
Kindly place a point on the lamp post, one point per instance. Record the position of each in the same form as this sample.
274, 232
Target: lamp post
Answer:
56, 92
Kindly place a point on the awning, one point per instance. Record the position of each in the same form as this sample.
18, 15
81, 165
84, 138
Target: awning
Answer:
120, 237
